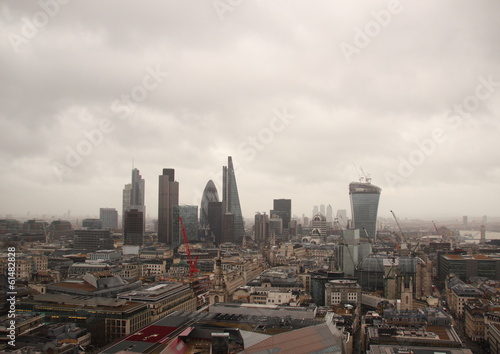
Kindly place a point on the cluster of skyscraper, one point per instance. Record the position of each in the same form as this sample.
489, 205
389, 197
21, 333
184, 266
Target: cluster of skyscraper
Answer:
277, 224
220, 220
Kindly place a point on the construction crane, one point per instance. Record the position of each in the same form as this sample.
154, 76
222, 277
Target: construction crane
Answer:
402, 237
435, 227
192, 262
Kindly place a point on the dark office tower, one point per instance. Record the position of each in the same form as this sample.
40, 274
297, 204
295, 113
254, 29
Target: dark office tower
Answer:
133, 195
231, 204
209, 195
260, 228
189, 215
92, 224
228, 225
283, 208
215, 211
364, 207
133, 230
109, 218
93, 240
58, 229
168, 197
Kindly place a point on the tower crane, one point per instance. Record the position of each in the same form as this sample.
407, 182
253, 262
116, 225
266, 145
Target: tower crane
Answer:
192, 262
402, 237
435, 227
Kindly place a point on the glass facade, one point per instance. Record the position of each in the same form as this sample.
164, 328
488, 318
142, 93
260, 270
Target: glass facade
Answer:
231, 201
189, 215
364, 204
209, 195
370, 270
133, 195
168, 197
283, 208
93, 240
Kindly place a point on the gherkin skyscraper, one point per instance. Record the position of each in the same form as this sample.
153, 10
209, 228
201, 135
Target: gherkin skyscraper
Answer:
209, 195
231, 205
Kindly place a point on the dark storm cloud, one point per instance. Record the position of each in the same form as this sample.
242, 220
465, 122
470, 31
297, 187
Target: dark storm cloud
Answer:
73, 81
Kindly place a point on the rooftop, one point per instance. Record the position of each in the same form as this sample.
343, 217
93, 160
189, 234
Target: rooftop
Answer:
389, 349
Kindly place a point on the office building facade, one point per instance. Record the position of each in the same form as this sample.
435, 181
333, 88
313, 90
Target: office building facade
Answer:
133, 227
261, 227
231, 204
283, 208
215, 221
189, 215
92, 224
168, 197
210, 194
133, 195
93, 240
364, 206
109, 218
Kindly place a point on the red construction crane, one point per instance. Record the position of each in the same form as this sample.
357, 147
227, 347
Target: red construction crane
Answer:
192, 263
435, 227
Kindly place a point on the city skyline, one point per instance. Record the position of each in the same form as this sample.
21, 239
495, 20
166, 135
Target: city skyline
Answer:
296, 92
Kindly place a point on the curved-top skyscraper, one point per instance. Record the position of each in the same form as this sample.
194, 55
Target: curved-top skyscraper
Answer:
209, 195
364, 207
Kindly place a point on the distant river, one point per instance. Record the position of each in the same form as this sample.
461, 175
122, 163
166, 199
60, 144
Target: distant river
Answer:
476, 235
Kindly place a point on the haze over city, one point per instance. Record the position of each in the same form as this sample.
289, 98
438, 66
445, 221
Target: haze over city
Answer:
300, 94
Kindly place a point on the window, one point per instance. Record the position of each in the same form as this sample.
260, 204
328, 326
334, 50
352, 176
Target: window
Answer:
336, 297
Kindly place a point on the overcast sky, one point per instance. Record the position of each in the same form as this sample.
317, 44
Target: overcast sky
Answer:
297, 92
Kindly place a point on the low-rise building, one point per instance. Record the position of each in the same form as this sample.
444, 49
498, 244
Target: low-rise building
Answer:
106, 318
342, 291
163, 298
458, 294
475, 315
26, 264
431, 336
82, 268
493, 330
105, 255
94, 284
404, 349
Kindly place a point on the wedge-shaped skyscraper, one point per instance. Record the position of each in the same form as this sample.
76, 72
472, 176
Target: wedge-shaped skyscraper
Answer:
231, 204
364, 205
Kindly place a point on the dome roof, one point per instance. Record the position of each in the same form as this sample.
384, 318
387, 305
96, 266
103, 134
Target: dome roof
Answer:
319, 217
372, 263
375, 263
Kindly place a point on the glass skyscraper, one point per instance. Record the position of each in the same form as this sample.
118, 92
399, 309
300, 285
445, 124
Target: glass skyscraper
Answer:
364, 206
282, 208
189, 215
231, 203
168, 197
209, 195
133, 195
